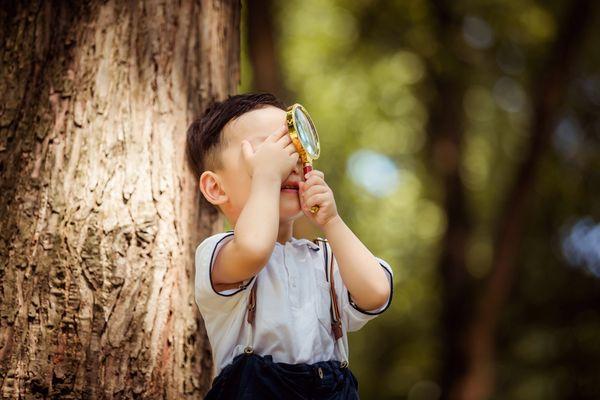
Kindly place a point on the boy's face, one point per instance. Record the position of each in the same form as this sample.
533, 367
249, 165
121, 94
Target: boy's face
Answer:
253, 126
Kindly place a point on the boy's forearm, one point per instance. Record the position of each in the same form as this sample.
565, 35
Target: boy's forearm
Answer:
257, 225
362, 274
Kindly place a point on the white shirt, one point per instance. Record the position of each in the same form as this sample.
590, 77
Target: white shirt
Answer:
292, 320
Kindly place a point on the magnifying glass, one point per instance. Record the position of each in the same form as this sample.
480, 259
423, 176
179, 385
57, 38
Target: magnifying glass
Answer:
305, 138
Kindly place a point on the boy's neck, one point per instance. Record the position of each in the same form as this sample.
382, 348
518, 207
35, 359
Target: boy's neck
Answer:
285, 231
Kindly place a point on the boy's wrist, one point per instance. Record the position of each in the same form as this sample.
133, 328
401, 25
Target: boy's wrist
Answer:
332, 224
269, 177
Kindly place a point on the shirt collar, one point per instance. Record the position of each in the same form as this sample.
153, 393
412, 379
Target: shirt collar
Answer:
299, 242
305, 242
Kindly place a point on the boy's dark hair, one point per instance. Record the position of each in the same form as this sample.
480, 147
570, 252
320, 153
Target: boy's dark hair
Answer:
204, 139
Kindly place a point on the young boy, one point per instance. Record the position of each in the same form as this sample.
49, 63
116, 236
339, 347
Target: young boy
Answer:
272, 316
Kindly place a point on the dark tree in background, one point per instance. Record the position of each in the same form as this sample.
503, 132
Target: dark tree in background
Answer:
262, 48
99, 211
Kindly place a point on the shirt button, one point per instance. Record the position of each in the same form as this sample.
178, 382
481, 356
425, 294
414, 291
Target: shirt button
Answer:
320, 373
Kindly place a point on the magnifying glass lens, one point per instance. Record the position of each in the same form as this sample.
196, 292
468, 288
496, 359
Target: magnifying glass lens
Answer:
305, 138
306, 132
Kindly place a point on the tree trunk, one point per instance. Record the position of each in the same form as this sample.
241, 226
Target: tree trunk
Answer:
445, 142
262, 49
99, 211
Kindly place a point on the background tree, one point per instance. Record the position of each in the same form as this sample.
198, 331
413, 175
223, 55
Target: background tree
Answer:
99, 211
265, 73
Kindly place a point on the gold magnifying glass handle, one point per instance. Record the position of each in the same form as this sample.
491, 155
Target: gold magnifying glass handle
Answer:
307, 168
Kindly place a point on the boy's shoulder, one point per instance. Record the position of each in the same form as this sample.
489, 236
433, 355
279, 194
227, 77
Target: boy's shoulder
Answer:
218, 235
213, 240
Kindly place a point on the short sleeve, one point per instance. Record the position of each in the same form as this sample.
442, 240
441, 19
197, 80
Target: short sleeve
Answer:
355, 317
207, 297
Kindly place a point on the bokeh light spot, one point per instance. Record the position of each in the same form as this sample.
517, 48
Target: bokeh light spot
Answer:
477, 32
509, 95
568, 137
581, 245
374, 172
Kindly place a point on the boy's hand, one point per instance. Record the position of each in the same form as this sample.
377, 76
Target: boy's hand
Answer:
314, 191
277, 154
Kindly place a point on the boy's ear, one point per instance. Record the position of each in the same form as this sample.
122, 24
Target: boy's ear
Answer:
210, 186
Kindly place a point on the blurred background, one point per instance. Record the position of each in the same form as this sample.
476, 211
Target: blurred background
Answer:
462, 142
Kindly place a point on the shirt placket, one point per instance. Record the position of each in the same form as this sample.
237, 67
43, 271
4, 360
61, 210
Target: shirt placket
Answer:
292, 274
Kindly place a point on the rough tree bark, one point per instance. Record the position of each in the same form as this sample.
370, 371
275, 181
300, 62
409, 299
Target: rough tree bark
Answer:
99, 212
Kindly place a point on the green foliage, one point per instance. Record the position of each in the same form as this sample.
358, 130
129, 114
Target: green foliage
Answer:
363, 70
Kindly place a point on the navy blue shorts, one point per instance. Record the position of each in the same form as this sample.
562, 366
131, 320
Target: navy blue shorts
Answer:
252, 376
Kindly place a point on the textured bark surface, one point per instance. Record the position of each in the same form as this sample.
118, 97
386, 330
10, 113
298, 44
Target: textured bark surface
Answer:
99, 213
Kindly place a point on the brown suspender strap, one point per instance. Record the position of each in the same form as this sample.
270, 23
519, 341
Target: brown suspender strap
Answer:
336, 321
252, 303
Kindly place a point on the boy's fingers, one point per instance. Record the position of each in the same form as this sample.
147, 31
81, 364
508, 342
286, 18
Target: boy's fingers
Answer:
314, 190
290, 148
314, 180
275, 136
316, 172
301, 189
285, 140
316, 199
